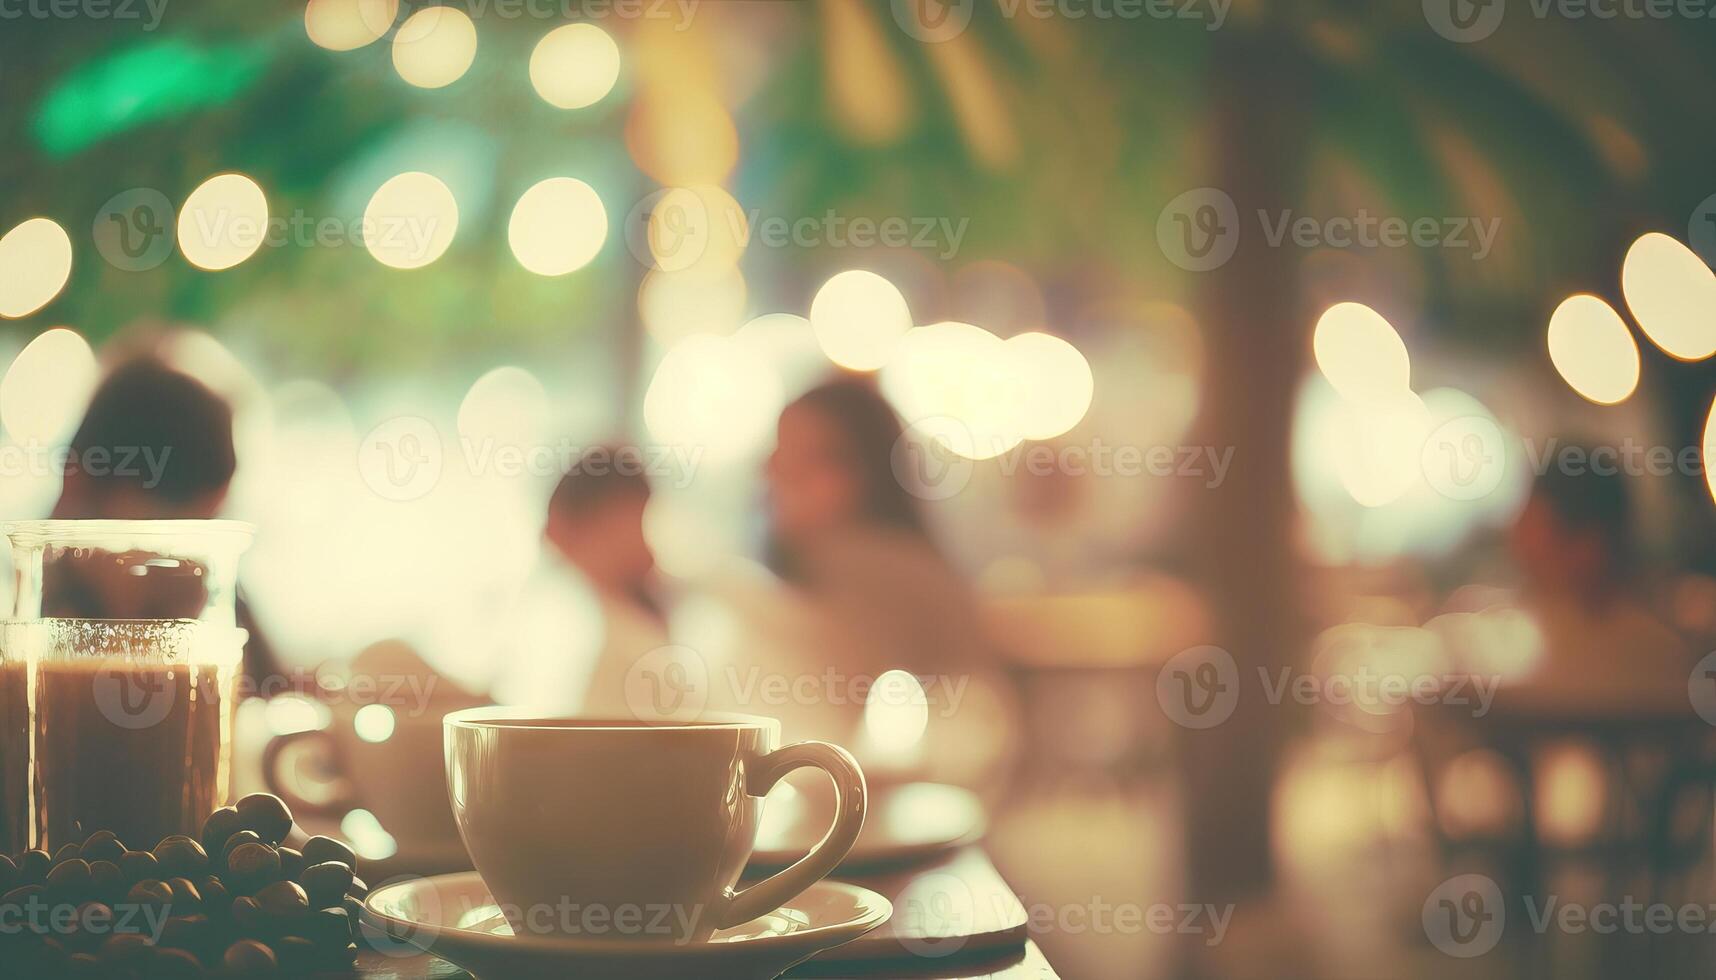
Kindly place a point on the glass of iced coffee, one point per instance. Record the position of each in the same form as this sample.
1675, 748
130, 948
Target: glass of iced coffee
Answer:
118, 676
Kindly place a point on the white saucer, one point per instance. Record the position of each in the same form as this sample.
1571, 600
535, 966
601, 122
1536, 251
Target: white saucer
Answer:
906, 823
454, 917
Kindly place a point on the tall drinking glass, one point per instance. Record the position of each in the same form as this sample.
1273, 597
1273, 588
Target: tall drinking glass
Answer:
118, 676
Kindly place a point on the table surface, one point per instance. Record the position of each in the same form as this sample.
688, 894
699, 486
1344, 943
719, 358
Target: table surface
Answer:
992, 917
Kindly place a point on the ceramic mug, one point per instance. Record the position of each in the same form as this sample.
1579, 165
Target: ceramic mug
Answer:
631, 830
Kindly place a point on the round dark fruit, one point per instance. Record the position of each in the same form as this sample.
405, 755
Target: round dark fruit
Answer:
70, 879
319, 850
33, 867
234, 842
266, 814
246, 916
181, 857
283, 900
139, 866
106, 880
252, 867
67, 852
123, 949
249, 958
150, 893
220, 825
292, 863
327, 884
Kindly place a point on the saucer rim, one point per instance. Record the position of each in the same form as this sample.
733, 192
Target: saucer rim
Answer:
844, 931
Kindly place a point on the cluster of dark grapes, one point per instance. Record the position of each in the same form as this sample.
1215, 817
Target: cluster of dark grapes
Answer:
235, 903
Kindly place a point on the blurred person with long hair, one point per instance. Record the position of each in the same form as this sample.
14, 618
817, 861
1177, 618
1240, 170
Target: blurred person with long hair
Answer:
848, 538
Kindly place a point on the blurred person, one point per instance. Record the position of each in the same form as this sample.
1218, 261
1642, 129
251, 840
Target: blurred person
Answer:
1573, 542
591, 609
850, 542
179, 436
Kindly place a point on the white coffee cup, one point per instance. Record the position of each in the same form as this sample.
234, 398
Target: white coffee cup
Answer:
628, 830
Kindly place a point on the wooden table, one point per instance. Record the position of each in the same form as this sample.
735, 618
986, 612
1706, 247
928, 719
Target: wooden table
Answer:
907, 946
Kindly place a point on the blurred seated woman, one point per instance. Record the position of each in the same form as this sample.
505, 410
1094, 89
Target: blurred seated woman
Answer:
1600, 642
873, 596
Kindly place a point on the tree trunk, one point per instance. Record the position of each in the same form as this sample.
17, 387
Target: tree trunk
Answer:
1257, 337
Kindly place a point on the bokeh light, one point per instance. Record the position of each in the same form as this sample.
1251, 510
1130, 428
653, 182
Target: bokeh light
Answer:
896, 713
557, 227
44, 392
507, 406
410, 220
714, 393
35, 262
1360, 353
374, 723
858, 317
575, 66
1379, 446
960, 385
1709, 450
223, 222
435, 47
1058, 384
346, 25
677, 305
1592, 349
1671, 293
700, 229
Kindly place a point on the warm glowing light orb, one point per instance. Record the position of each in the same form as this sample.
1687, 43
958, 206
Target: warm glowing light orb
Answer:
45, 391
557, 227
575, 66
508, 405
858, 317
1592, 349
677, 305
35, 262
223, 222
896, 712
715, 393
960, 385
699, 229
1709, 453
410, 220
346, 25
435, 47
1378, 447
1671, 293
1058, 385
1360, 353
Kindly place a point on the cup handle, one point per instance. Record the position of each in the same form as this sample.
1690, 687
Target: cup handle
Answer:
334, 803
849, 801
